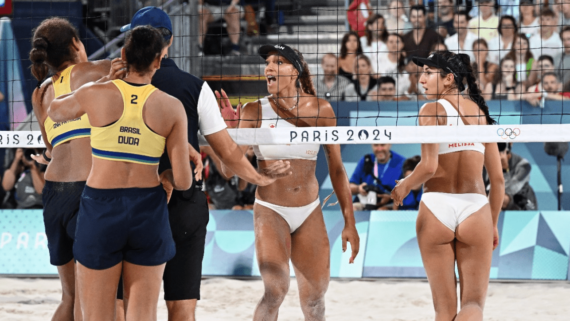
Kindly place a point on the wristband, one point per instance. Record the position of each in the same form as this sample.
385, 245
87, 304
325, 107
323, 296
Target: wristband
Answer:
45, 157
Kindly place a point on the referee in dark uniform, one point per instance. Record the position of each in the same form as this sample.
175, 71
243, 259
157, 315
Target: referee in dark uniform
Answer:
189, 209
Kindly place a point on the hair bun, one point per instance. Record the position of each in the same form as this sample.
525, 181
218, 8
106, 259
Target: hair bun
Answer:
40, 43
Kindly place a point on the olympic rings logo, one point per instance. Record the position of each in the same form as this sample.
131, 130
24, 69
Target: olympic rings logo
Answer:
506, 133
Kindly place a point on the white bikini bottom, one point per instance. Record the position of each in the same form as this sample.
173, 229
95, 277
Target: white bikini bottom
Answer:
452, 209
294, 216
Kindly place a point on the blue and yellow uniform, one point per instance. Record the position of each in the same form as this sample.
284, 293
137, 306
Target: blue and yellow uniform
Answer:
61, 199
59, 133
129, 224
129, 139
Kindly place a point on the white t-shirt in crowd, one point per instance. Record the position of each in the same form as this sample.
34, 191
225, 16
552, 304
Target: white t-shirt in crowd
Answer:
530, 30
497, 49
209, 115
551, 46
388, 68
375, 51
452, 44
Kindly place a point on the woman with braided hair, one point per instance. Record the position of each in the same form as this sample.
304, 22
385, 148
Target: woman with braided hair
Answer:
456, 220
288, 220
57, 50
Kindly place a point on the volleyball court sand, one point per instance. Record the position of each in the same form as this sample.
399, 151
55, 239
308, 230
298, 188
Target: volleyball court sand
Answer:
226, 299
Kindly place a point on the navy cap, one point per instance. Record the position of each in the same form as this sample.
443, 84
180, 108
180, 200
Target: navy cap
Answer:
149, 16
284, 51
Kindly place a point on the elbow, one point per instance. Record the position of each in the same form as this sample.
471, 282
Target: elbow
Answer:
430, 168
183, 182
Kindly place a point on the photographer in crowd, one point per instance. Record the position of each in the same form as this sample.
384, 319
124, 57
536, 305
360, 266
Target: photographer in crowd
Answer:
375, 176
519, 195
23, 181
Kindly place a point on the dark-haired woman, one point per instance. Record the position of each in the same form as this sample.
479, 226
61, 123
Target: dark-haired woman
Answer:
394, 64
484, 69
504, 85
350, 48
56, 49
363, 84
501, 45
373, 42
288, 219
122, 224
521, 54
456, 221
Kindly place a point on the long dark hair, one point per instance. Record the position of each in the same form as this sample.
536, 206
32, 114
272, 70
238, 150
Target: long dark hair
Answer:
528, 54
464, 74
305, 79
344, 50
498, 78
368, 33
142, 45
51, 44
401, 54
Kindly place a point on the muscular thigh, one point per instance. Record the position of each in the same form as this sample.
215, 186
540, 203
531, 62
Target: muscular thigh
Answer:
272, 238
310, 247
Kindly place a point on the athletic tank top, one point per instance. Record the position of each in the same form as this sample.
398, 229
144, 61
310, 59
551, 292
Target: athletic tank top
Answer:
270, 119
129, 139
59, 133
453, 118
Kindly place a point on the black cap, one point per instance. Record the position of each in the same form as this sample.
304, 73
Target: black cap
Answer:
284, 51
436, 60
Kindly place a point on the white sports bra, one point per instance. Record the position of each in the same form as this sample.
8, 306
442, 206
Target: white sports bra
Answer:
453, 117
270, 119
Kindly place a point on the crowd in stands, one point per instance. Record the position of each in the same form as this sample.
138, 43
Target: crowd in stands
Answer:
512, 49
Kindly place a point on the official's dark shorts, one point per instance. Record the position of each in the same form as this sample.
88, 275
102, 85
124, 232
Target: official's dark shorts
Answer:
61, 204
189, 217
129, 224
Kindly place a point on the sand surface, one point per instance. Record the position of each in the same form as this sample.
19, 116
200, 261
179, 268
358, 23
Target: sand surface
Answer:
226, 299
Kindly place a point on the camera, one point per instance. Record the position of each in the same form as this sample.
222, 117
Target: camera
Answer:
28, 154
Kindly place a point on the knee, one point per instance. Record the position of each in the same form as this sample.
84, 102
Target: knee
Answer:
314, 306
275, 293
472, 308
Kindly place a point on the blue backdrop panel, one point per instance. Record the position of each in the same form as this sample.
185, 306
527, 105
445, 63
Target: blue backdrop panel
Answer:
23, 243
534, 245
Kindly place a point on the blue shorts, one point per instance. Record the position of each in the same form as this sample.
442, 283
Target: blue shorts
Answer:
61, 204
123, 224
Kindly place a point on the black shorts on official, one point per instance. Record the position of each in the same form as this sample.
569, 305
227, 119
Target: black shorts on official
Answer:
61, 204
189, 216
123, 224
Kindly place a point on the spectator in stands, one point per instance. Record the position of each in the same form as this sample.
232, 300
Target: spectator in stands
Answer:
419, 41
501, 45
519, 195
562, 8
483, 67
350, 48
394, 64
438, 46
505, 85
376, 173
412, 201
213, 10
446, 10
386, 89
462, 41
373, 43
330, 86
397, 21
363, 82
529, 22
485, 24
24, 180
551, 90
521, 54
562, 62
547, 42
540, 67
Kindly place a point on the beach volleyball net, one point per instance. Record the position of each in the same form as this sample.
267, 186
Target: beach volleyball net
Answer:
211, 44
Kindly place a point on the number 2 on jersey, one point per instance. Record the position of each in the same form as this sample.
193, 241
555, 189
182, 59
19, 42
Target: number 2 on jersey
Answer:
134, 99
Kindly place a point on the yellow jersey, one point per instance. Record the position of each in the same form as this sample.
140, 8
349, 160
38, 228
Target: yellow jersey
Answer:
59, 133
129, 139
